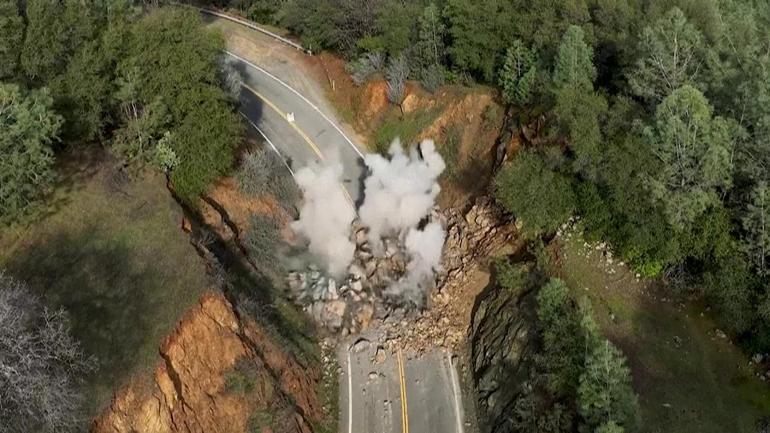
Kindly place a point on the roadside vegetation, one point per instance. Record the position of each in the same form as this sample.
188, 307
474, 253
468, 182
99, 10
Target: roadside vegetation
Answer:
559, 373
108, 252
101, 105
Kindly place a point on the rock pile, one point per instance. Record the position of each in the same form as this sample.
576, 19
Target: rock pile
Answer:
349, 307
472, 235
362, 299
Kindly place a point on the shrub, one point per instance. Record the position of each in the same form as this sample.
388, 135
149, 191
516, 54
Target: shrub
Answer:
542, 198
263, 172
263, 240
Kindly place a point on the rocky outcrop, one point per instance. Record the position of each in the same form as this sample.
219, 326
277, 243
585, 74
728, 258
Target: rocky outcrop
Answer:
188, 392
501, 346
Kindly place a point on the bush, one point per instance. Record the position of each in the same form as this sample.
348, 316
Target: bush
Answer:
366, 66
263, 240
263, 172
542, 198
242, 378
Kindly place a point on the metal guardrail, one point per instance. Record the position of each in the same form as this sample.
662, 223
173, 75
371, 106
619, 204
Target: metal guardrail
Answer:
250, 25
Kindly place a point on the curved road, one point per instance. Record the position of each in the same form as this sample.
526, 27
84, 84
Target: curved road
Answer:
400, 392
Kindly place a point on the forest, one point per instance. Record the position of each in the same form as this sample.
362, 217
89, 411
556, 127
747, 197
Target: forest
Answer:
651, 120
646, 121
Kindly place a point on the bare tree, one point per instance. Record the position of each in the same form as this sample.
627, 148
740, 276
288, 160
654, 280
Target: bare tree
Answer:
366, 66
398, 72
40, 364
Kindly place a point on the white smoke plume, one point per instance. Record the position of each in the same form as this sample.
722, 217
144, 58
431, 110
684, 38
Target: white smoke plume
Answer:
424, 248
400, 191
326, 216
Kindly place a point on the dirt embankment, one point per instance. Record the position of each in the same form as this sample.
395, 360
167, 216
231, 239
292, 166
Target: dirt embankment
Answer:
190, 391
465, 122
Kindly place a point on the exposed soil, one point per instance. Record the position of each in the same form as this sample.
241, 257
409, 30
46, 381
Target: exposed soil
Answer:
467, 119
190, 391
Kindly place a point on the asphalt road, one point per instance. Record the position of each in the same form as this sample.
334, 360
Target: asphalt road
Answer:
269, 105
401, 393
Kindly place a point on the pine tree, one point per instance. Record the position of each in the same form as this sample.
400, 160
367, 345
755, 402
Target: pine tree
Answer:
578, 106
671, 56
693, 149
605, 393
28, 127
574, 62
518, 75
756, 223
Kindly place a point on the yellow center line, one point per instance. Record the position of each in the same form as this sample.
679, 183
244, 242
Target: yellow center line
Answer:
285, 116
402, 380
302, 134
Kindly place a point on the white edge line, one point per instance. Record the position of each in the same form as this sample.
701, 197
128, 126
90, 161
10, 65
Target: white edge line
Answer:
456, 393
350, 396
334, 125
268, 142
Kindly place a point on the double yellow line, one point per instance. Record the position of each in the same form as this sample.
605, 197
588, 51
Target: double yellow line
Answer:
301, 133
402, 382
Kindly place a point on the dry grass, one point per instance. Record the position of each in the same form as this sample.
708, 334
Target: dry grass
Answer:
112, 253
688, 379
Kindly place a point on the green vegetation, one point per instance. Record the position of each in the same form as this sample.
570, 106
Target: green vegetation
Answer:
579, 381
110, 253
263, 241
405, 127
28, 128
529, 177
674, 349
242, 378
262, 172
147, 83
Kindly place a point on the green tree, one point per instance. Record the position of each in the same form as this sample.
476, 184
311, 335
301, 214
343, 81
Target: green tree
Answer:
574, 68
605, 393
561, 358
610, 427
28, 127
578, 107
396, 22
671, 56
542, 198
541, 24
694, 153
173, 61
756, 224
55, 29
478, 31
87, 91
518, 76
11, 34
430, 49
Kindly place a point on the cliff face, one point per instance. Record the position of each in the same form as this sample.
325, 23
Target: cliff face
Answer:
190, 393
501, 343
